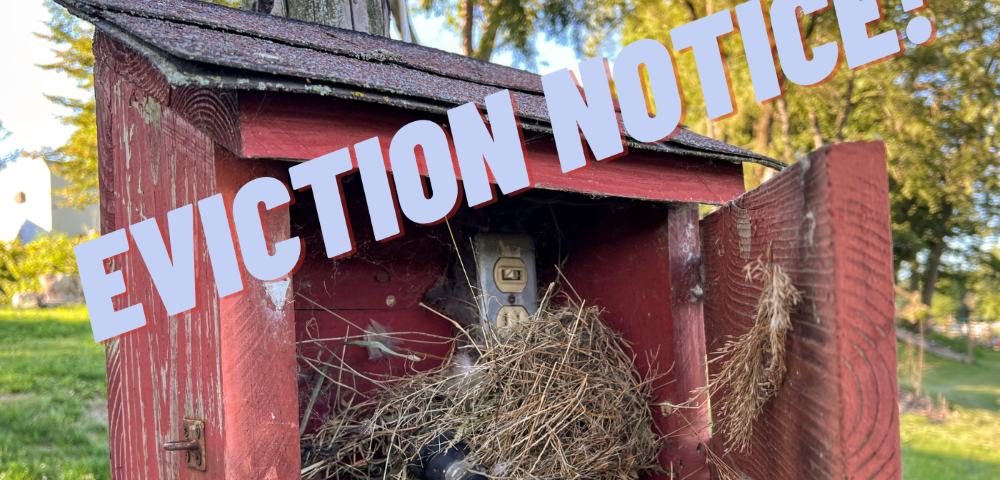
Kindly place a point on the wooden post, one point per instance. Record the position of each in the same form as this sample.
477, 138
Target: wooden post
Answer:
369, 16
690, 426
826, 220
229, 362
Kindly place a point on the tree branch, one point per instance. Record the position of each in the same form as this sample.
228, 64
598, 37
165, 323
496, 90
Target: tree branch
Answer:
690, 8
845, 112
489, 37
817, 134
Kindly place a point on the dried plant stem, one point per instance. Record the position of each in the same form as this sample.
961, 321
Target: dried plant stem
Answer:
557, 397
753, 365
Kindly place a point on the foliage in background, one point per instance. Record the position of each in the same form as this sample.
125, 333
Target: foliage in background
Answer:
967, 444
76, 160
488, 27
21, 265
5, 159
936, 109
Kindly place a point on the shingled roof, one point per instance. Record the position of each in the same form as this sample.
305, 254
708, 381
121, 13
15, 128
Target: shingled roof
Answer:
197, 43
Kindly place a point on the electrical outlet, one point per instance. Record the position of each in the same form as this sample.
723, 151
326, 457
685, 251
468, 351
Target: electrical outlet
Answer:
506, 277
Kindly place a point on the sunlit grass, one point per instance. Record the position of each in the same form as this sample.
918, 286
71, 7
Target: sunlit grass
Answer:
53, 413
967, 445
53, 416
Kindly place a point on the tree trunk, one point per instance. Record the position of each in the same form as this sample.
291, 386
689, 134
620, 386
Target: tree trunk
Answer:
931, 271
468, 16
369, 16
914, 277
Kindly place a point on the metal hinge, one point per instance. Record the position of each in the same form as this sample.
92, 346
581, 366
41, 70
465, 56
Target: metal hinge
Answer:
193, 444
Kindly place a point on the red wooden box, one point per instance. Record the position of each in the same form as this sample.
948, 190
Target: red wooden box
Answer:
196, 99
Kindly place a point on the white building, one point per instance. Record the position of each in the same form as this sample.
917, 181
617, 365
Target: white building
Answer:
28, 206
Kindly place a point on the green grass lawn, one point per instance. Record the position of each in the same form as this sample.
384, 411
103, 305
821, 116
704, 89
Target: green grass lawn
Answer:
53, 413
966, 446
53, 418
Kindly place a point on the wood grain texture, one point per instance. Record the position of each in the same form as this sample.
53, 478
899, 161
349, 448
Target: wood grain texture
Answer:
358, 287
624, 267
212, 111
131, 65
229, 362
151, 162
690, 426
318, 324
257, 346
827, 220
303, 127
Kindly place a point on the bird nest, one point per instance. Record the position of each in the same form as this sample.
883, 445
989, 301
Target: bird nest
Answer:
555, 397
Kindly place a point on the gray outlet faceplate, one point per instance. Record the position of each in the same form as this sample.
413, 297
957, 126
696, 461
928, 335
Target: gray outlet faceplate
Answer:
505, 265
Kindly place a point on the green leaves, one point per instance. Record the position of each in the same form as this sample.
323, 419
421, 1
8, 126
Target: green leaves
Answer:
515, 25
936, 107
76, 160
21, 265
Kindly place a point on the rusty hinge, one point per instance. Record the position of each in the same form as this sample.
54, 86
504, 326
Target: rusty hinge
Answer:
193, 444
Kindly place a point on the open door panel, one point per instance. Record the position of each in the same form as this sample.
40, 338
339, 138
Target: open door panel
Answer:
826, 220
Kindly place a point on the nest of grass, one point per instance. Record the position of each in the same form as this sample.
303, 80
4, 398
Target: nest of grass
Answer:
556, 397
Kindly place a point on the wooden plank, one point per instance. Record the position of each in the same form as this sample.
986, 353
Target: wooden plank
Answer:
405, 268
152, 161
214, 112
358, 287
827, 220
303, 127
689, 425
624, 267
318, 324
168, 370
131, 65
258, 348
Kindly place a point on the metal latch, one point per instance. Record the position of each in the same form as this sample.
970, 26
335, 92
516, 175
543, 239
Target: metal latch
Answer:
193, 444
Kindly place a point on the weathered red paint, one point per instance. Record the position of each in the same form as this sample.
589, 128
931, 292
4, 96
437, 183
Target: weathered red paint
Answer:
624, 267
221, 362
689, 425
303, 127
231, 362
827, 221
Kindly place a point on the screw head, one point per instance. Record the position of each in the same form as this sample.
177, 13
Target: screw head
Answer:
390, 300
511, 299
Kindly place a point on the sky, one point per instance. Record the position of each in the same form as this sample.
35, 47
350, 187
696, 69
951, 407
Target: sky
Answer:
34, 121
24, 109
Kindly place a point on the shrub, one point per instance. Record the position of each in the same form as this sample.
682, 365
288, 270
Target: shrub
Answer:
21, 265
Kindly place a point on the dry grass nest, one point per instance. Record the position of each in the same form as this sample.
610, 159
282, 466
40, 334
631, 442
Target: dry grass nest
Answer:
556, 397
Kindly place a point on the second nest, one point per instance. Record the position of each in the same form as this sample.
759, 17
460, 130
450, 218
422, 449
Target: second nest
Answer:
556, 397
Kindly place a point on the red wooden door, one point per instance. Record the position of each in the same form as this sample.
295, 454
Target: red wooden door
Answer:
827, 220
222, 361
